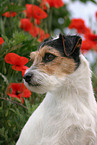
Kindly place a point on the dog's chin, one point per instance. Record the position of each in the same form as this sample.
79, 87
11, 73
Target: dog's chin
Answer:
37, 88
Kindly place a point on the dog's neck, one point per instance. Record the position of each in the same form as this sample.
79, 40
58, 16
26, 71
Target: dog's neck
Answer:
77, 86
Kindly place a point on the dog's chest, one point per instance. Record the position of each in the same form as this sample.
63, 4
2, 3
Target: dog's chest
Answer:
61, 125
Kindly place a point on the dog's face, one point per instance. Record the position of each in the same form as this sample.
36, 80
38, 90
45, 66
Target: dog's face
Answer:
52, 62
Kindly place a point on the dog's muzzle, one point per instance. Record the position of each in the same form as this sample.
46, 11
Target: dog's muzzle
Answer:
27, 77
30, 79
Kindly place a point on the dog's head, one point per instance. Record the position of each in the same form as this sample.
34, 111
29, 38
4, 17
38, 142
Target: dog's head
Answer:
52, 62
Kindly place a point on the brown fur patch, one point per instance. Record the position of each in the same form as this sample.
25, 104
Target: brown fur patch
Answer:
59, 66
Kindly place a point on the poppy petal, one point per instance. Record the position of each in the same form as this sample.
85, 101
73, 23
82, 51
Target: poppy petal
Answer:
79, 25
1, 41
35, 12
19, 68
15, 59
26, 24
18, 91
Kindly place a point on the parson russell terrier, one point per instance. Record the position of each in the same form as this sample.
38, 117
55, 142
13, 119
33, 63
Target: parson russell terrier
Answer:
68, 113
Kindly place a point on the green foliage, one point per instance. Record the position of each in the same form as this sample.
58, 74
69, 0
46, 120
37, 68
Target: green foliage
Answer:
60, 20
20, 42
14, 115
14, 7
55, 16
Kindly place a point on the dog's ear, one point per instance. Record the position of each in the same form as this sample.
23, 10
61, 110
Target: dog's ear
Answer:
71, 44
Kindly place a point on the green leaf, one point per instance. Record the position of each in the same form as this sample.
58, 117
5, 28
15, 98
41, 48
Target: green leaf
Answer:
3, 6
9, 7
16, 8
94, 1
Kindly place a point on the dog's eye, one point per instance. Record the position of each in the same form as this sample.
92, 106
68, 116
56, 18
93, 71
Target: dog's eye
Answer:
48, 57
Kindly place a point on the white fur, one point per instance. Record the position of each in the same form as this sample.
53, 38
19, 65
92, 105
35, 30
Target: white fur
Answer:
67, 115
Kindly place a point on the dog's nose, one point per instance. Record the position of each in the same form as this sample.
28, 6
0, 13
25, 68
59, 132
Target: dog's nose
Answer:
27, 77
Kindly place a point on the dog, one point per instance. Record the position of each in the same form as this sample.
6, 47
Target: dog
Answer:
68, 113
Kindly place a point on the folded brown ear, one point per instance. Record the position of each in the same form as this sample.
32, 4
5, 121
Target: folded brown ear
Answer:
71, 44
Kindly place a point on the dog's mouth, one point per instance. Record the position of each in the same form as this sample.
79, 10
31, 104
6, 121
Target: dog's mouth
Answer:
34, 84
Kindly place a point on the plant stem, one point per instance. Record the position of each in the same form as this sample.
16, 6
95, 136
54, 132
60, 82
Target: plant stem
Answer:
14, 102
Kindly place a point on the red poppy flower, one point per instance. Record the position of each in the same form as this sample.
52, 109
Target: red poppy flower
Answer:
47, 35
52, 3
42, 35
28, 10
91, 37
96, 15
56, 3
24, 69
44, 4
13, 14
38, 32
15, 59
87, 45
35, 12
79, 25
20, 68
17, 62
37, 21
9, 14
1, 41
18, 91
6, 14
26, 24
34, 31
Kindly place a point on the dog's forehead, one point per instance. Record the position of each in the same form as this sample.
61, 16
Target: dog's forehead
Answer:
45, 49
50, 42
53, 44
